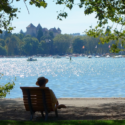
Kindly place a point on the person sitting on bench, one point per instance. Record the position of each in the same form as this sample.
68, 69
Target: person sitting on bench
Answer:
41, 82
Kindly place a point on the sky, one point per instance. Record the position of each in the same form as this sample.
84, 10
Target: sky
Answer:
76, 22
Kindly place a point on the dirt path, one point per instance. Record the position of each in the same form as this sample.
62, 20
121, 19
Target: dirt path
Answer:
77, 109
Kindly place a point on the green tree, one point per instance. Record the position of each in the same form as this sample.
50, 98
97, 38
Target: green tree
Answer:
27, 35
2, 42
12, 45
21, 36
6, 34
77, 45
1, 35
41, 47
21, 32
51, 42
92, 47
3, 51
51, 34
4, 90
39, 34
61, 43
46, 46
30, 45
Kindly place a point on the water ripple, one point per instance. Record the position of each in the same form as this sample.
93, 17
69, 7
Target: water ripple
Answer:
81, 77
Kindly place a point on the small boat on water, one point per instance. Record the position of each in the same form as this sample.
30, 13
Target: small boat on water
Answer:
107, 56
118, 56
57, 56
31, 59
67, 57
97, 56
89, 56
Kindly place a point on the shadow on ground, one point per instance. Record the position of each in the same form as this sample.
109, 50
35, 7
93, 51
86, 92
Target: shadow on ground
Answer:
15, 110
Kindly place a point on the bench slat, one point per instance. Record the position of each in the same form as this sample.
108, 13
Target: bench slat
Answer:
33, 95
37, 99
38, 109
36, 92
25, 101
36, 96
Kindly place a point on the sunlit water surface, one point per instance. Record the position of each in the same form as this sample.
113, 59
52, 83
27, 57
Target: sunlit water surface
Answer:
81, 77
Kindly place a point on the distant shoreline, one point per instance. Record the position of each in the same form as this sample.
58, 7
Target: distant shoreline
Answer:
62, 55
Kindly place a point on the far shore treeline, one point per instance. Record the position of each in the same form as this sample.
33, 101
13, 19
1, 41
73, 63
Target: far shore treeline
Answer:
21, 44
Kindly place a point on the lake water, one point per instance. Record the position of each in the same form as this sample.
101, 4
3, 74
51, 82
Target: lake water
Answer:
81, 77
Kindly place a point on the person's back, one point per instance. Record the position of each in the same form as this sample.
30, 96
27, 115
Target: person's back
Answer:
41, 82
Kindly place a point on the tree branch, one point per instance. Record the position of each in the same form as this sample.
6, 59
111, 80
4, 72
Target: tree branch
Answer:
26, 6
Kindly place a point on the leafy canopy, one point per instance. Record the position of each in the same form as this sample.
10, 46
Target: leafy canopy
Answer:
6, 88
105, 10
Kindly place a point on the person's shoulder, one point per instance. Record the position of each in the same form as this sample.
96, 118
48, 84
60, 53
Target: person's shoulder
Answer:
51, 90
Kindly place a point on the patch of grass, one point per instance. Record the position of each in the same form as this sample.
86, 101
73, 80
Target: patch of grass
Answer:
64, 122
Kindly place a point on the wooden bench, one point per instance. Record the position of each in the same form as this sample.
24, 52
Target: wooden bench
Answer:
38, 99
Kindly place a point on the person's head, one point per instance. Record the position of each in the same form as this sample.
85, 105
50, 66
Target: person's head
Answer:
41, 81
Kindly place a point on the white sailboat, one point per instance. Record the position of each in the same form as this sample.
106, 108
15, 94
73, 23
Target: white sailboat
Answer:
97, 56
118, 56
89, 56
107, 56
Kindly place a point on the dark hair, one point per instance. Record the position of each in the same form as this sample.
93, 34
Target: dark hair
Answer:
41, 82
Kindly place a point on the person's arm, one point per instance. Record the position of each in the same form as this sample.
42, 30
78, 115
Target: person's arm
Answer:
54, 99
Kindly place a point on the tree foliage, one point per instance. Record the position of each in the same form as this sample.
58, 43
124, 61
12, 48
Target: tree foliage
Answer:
3, 51
105, 10
61, 43
2, 43
39, 34
20, 44
12, 44
77, 45
30, 45
4, 90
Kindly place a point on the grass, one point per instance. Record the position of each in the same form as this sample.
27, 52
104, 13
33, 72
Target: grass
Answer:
64, 122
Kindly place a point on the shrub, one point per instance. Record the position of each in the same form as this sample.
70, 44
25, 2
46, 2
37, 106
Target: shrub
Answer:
6, 88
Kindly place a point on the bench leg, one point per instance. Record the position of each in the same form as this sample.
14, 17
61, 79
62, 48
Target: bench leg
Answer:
42, 114
32, 114
56, 112
46, 116
31, 117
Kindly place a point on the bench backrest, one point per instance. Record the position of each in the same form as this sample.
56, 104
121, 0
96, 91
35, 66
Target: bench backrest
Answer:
37, 98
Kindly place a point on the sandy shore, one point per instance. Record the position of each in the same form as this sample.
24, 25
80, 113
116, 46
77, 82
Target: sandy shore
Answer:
77, 109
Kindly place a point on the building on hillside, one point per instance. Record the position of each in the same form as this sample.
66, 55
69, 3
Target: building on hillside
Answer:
45, 31
32, 30
55, 31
